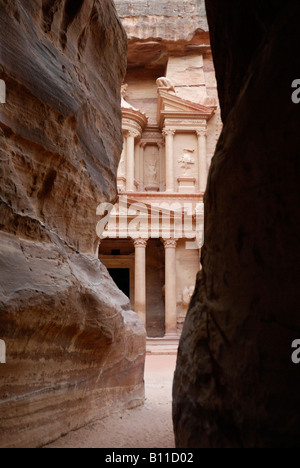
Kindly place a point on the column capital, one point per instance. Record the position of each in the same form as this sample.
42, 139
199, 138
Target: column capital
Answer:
160, 144
168, 132
140, 242
133, 133
201, 132
170, 243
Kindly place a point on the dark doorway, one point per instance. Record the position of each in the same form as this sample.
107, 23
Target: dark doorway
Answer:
155, 283
121, 277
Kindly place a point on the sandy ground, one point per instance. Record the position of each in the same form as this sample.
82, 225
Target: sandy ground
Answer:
145, 427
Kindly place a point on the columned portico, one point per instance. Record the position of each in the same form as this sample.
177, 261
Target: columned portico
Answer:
152, 239
170, 286
140, 278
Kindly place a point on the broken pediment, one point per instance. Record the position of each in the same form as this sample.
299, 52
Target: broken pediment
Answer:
171, 106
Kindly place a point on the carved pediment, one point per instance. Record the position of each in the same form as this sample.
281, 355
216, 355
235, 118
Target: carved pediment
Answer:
171, 106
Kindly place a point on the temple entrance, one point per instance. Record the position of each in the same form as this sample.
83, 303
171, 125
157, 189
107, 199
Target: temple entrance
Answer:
118, 255
157, 275
121, 277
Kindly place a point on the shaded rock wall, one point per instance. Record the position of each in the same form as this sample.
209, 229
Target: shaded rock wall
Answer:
75, 351
235, 384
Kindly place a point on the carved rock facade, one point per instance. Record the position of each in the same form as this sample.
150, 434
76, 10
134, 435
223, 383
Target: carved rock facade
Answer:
171, 121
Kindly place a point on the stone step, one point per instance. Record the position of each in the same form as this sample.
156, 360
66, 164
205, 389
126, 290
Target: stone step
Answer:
163, 346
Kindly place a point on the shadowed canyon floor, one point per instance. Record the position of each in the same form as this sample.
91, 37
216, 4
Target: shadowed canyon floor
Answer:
149, 426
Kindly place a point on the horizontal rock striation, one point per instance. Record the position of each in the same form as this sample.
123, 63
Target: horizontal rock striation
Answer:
75, 350
165, 19
158, 29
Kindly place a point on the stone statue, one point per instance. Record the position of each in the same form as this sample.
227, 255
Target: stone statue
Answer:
186, 160
152, 171
187, 295
165, 83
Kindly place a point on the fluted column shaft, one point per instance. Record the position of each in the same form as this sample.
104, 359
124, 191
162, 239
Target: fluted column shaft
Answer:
170, 287
130, 162
140, 278
169, 136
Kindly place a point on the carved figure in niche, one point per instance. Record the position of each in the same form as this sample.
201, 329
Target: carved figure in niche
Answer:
165, 83
152, 168
187, 295
152, 171
186, 161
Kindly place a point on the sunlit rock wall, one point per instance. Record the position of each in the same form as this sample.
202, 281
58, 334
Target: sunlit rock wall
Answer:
75, 351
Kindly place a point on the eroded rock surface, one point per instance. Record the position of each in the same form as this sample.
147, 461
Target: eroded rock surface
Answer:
158, 29
235, 383
75, 351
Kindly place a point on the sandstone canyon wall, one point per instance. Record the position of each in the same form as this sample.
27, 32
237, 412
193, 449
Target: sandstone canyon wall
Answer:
75, 350
235, 383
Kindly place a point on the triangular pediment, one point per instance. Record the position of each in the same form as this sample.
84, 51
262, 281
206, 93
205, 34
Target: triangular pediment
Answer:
172, 106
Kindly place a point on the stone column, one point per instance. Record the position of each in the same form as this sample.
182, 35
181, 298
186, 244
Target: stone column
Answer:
121, 178
137, 166
130, 161
170, 286
161, 168
169, 136
142, 150
201, 134
140, 278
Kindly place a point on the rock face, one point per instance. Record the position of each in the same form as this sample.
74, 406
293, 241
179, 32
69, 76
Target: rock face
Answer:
165, 19
74, 350
235, 383
158, 29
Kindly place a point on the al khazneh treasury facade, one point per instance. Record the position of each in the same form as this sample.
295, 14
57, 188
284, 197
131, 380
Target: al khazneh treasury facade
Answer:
152, 244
